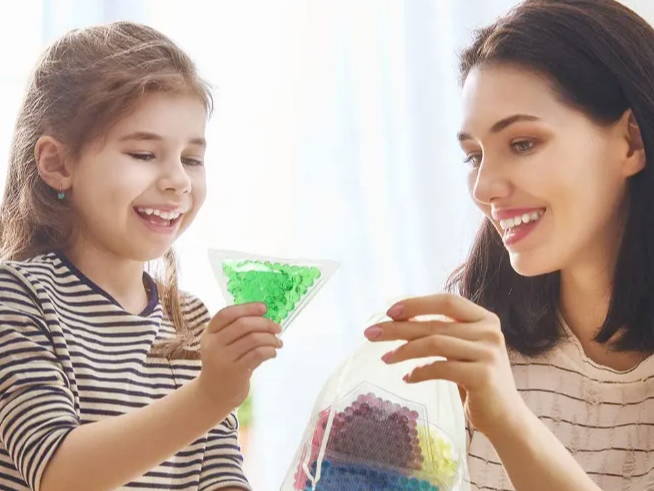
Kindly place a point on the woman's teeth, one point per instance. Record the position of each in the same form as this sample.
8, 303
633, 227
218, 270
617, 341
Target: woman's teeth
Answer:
509, 223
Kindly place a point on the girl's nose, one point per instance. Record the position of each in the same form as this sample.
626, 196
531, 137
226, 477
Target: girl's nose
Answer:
175, 178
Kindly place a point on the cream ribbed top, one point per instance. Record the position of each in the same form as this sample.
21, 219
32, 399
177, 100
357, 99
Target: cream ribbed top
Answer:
604, 417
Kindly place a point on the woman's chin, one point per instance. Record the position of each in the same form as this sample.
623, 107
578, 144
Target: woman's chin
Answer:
530, 265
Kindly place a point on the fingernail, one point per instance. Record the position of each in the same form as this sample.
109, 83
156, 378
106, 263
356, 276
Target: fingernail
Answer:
387, 357
262, 308
406, 378
373, 332
395, 311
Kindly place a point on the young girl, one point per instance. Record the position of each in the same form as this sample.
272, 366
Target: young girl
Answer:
558, 106
110, 378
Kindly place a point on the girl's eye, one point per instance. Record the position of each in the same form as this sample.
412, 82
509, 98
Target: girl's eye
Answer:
192, 162
474, 159
523, 146
141, 156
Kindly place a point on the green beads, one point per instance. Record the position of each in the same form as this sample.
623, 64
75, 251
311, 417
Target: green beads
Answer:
280, 286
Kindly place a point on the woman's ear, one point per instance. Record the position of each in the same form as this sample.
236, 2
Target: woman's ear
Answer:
52, 164
635, 160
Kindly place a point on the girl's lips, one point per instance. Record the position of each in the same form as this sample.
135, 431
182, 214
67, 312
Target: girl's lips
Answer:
164, 207
157, 224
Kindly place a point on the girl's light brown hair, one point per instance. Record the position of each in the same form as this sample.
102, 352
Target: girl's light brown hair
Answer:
84, 83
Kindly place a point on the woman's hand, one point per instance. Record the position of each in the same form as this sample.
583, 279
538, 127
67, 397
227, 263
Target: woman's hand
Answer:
473, 345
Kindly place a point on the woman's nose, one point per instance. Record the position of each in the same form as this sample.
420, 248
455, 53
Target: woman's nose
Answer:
490, 182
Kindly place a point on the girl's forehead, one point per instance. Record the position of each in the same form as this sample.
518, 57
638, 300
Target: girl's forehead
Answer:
164, 114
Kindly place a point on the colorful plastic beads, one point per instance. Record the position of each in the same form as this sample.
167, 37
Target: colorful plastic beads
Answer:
361, 477
375, 444
279, 286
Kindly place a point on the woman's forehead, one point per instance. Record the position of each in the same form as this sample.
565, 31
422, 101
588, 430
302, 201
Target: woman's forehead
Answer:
494, 93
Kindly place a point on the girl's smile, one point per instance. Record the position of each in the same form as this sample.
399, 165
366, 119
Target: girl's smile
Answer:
160, 218
137, 189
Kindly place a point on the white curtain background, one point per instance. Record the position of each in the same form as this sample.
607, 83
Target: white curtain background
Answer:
333, 137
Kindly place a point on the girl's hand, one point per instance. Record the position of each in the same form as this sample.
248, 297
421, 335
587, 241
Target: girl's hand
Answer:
473, 345
236, 341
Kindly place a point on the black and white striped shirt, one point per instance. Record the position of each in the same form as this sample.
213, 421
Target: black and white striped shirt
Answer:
70, 354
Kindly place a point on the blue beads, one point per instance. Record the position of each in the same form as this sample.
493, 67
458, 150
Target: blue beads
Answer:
354, 477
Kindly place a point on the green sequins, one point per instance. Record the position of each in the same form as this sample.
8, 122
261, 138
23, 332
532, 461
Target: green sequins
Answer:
280, 286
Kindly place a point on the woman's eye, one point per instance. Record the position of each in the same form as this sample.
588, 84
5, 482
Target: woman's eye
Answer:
474, 159
141, 155
522, 146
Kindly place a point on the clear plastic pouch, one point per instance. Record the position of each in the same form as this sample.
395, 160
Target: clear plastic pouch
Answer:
370, 430
285, 285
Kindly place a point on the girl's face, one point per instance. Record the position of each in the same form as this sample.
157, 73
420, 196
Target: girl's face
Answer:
135, 190
551, 181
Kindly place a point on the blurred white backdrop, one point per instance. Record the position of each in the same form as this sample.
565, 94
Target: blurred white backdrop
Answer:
333, 137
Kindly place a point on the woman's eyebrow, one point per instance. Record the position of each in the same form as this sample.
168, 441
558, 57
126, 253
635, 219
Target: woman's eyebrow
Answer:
500, 125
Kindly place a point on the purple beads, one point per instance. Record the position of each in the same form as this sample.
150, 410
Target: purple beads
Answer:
373, 444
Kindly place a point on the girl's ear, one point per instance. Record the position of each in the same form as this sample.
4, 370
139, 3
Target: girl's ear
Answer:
52, 164
635, 160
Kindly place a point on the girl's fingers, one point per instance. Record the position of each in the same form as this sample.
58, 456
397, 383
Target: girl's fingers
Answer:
453, 306
253, 341
229, 314
246, 325
255, 357
410, 330
460, 372
438, 345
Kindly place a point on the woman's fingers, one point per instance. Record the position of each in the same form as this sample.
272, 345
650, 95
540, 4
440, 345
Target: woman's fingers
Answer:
438, 345
461, 373
453, 306
410, 330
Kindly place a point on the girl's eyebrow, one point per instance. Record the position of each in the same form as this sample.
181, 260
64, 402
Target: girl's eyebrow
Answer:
500, 125
145, 135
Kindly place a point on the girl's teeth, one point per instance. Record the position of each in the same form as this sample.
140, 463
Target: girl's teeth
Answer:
166, 215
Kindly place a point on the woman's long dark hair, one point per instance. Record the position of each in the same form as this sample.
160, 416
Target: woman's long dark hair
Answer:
600, 57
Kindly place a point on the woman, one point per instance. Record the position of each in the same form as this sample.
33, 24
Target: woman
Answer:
552, 325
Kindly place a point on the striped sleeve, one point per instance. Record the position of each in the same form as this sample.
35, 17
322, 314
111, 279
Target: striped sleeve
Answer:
37, 408
223, 462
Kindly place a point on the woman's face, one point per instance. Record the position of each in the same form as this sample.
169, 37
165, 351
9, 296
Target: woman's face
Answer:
551, 181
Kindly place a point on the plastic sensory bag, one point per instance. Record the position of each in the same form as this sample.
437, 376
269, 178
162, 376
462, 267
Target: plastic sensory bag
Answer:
285, 285
370, 430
